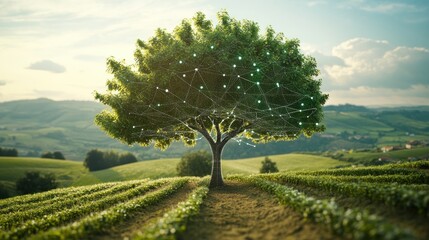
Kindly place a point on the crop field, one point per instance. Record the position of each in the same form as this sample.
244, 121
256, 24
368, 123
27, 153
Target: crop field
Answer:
388, 202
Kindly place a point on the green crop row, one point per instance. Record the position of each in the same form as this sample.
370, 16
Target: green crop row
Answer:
349, 223
48, 196
361, 171
422, 164
392, 194
67, 215
98, 222
20, 215
18, 204
400, 179
173, 224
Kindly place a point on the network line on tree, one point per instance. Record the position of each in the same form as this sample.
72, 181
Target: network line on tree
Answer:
223, 82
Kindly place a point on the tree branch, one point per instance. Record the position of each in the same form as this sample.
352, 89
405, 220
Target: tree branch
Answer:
218, 133
234, 133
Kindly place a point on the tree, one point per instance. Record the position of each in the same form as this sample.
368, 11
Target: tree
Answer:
8, 152
225, 81
34, 182
53, 155
94, 160
268, 166
58, 155
97, 160
47, 155
195, 164
126, 158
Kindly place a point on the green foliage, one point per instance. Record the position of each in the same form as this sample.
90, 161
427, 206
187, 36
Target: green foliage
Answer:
96, 223
34, 182
173, 224
3, 192
97, 160
411, 197
33, 224
350, 223
195, 164
8, 152
94, 160
154, 100
127, 158
53, 155
268, 166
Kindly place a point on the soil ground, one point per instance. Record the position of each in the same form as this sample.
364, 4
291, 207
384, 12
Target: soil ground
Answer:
240, 211
128, 228
418, 224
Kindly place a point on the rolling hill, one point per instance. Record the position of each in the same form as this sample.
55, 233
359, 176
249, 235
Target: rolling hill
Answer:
36, 126
72, 173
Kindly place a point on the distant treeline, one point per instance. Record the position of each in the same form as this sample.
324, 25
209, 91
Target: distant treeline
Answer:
53, 155
97, 160
8, 152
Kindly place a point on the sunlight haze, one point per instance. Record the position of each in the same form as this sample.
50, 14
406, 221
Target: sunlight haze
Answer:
369, 52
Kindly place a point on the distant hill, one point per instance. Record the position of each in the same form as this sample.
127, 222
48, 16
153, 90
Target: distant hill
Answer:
72, 173
36, 126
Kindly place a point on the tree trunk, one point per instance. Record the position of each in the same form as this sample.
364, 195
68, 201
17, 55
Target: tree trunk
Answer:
216, 175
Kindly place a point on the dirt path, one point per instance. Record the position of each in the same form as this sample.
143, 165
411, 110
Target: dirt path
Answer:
240, 211
127, 229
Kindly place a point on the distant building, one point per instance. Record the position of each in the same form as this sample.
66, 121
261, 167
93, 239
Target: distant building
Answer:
386, 148
390, 148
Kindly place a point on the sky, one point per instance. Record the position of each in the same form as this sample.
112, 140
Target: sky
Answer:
369, 52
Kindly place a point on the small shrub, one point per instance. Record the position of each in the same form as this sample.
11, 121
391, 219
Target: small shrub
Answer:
268, 166
34, 182
195, 164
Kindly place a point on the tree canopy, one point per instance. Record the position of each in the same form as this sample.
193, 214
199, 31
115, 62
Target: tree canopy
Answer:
223, 81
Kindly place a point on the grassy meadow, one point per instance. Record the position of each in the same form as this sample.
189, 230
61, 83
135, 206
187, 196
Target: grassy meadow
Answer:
72, 173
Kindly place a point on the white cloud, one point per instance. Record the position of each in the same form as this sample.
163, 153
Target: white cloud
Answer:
47, 65
316, 3
414, 95
377, 63
388, 7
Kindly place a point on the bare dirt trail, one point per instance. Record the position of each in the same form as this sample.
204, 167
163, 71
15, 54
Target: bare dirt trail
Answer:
128, 228
240, 211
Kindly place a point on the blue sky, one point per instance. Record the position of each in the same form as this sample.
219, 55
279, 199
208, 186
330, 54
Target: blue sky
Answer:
369, 52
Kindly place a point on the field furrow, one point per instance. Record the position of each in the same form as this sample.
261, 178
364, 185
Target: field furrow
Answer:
19, 215
48, 196
394, 195
103, 221
348, 223
67, 215
173, 223
241, 211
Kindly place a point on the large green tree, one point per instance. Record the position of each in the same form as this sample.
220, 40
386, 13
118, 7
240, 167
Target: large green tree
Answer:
222, 81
